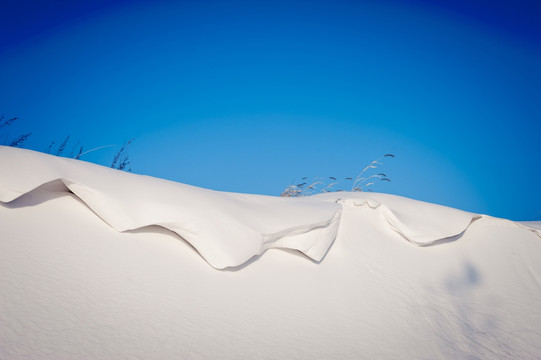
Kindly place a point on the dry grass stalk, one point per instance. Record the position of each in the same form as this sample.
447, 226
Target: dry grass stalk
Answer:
120, 160
319, 185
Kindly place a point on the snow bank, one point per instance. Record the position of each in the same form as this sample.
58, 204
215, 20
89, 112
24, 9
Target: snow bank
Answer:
93, 265
226, 229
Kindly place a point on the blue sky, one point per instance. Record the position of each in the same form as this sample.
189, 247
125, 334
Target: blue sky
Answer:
253, 96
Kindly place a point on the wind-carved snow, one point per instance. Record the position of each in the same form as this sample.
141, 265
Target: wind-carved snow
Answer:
227, 229
88, 270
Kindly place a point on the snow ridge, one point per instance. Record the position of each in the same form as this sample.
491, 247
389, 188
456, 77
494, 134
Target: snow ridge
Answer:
227, 229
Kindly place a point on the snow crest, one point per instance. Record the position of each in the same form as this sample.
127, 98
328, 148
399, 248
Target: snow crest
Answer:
227, 229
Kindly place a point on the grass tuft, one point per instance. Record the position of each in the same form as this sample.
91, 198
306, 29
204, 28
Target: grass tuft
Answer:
120, 161
361, 183
17, 141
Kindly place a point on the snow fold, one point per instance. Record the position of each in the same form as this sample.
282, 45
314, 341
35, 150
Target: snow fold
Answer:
227, 229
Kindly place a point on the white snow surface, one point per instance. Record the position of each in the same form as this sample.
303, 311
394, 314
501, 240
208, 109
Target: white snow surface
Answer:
97, 263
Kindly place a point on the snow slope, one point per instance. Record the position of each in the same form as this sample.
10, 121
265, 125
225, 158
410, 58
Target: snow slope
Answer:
102, 264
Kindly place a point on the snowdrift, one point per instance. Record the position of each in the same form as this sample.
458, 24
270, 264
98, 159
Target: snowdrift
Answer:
103, 264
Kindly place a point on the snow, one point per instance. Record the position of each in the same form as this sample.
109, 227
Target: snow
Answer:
102, 264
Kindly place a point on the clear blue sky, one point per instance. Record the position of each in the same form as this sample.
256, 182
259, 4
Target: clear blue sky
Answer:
252, 96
